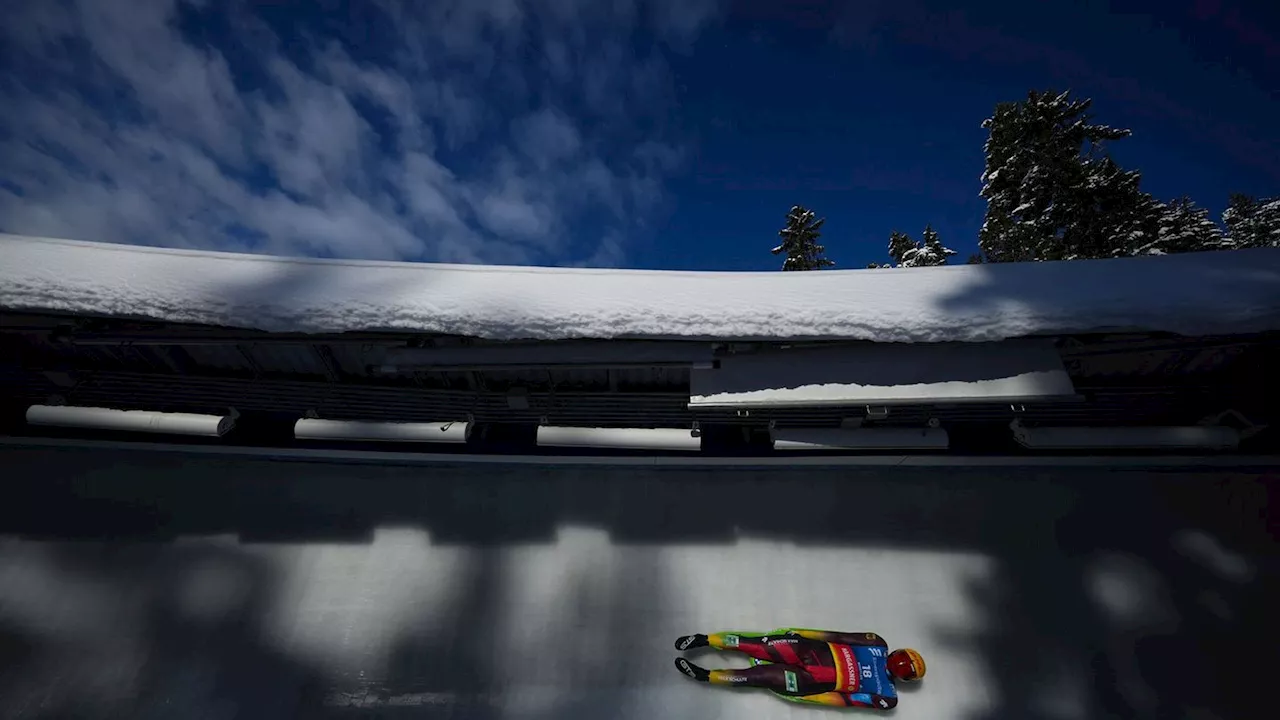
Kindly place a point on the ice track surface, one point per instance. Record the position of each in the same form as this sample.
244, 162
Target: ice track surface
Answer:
147, 585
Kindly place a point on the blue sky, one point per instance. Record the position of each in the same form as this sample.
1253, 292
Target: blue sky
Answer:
634, 133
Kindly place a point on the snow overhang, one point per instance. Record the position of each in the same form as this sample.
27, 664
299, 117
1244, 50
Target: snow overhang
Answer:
885, 374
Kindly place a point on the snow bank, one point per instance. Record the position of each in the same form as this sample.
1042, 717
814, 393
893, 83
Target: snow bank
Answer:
1200, 293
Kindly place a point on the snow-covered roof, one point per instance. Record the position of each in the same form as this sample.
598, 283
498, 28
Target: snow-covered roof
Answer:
1193, 294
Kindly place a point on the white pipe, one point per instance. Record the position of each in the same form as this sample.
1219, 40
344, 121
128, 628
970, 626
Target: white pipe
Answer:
625, 438
1063, 438
130, 420
859, 439
439, 432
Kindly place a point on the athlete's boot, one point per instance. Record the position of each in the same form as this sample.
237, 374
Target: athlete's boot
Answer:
693, 671
691, 642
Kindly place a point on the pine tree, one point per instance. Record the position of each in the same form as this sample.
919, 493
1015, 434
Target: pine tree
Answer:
932, 252
975, 259
906, 252
1252, 223
1052, 193
1183, 227
800, 241
1111, 216
901, 248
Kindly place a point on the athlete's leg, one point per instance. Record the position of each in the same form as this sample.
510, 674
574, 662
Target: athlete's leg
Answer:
867, 700
834, 699
843, 638
752, 644
777, 648
784, 679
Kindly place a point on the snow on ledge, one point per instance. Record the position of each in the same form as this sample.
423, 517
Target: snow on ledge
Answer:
1191, 294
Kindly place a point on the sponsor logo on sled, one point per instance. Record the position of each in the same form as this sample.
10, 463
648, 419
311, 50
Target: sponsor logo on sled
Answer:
684, 668
850, 666
792, 685
687, 642
731, 641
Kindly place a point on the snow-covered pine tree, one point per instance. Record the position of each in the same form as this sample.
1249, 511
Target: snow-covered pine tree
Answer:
1183, 227
1110, 216
800, 241
1252, 223
906, 252
1051, 192
975, 259
932, 252
901, 248
1188, 228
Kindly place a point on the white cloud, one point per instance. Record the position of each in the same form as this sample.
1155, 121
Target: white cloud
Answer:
447, 136
512, 214
546, 137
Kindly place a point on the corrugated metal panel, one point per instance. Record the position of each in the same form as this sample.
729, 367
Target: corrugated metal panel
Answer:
669, 377
217, 357
27, 386
1166, 361
299, 359
1211, 359
1148, 383
354, 360
293, 359
339, 401
549, 354
586, 378
523, 377
348, 401
39, 351
659, 379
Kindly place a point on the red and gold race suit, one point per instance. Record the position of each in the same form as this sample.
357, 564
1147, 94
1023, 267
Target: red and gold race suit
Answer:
815, 666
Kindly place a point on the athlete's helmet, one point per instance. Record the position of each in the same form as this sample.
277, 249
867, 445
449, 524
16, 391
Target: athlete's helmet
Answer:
906, 664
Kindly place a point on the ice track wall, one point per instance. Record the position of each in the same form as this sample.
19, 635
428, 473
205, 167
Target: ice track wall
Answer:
148, 584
